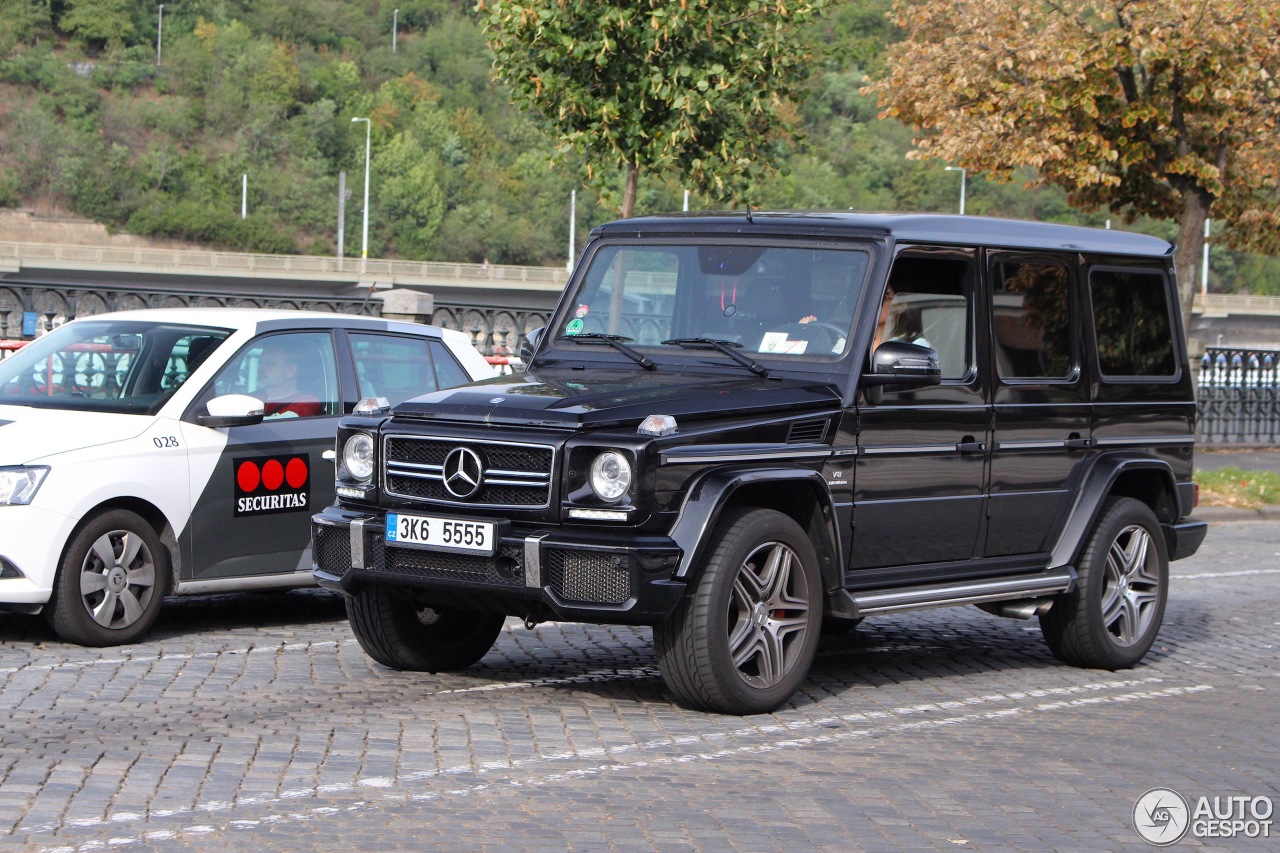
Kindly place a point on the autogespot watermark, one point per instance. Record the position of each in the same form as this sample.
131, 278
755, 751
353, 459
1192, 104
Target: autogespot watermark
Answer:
1162, 817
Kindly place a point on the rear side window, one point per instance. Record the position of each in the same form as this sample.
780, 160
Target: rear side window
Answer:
392, 366
1132, 320
1032, 317
448, 371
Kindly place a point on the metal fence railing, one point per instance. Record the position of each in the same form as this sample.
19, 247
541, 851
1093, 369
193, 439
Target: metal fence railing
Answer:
1238, 398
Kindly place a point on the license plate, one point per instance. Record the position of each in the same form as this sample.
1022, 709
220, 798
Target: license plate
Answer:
441, 534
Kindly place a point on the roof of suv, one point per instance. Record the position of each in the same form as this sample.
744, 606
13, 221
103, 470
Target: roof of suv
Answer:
905, 227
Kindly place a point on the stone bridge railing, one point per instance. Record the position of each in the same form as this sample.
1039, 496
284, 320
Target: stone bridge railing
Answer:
43, 285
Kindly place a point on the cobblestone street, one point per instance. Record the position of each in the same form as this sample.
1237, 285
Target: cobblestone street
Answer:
256, 723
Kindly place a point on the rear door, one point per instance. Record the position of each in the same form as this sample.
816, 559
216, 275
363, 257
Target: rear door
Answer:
1042, 416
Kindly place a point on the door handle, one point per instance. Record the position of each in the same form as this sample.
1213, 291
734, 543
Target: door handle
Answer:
1075, 442
968, 445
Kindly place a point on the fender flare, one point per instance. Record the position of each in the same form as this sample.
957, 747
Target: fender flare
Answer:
1095, 486
709, 494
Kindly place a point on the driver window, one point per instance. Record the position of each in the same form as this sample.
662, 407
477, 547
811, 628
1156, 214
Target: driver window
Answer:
929, 301
293, 374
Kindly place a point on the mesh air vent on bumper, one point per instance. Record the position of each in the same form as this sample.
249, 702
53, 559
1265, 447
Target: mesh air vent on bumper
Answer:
588, 577
331, 549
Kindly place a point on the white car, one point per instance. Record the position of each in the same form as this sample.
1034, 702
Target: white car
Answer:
180, 451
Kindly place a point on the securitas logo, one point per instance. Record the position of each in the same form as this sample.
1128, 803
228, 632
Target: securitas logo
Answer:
270, 484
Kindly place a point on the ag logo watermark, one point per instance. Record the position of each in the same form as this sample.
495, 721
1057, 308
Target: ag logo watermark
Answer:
1162, 817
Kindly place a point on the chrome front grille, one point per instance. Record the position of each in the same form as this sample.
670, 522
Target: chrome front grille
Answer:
511, 473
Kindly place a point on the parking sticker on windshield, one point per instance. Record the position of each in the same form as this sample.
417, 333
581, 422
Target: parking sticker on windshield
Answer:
776, 342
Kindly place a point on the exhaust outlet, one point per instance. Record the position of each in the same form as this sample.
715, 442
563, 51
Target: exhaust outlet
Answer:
1022, 609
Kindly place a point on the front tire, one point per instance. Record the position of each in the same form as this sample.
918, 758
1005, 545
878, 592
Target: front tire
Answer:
1111, 618
743, 640
111, 581
399, 632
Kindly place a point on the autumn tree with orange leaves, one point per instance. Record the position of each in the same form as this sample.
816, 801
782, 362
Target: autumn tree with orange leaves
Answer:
1163, 108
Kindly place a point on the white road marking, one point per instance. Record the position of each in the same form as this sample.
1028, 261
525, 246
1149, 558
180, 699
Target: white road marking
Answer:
870, 723
667, 761
1211, 575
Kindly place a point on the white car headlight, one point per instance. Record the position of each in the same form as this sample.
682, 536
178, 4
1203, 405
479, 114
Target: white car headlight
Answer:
610, 476
19, 485
357, 457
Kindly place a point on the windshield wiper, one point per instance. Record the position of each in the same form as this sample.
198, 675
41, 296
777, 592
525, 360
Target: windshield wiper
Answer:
729, 348
615, 341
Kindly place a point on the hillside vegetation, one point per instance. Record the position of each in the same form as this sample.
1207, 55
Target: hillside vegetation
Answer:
101, 118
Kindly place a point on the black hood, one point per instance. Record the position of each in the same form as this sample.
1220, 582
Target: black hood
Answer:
573, 398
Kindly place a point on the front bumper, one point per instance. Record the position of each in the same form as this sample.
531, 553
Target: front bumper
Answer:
31, 540
571, 574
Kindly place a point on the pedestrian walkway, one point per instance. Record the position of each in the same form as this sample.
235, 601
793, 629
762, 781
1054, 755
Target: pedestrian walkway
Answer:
1254, 459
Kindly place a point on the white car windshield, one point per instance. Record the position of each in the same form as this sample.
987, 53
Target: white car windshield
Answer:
129, 367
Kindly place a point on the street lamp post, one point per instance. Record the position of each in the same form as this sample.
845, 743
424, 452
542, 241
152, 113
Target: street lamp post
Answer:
1204, 268
395, 26
159, 34
364, 240
573, 227
959, 169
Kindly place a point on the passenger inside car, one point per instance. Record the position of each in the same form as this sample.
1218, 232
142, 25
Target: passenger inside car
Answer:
278, 370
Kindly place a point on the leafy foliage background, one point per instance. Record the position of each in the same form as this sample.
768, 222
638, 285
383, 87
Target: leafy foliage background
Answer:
90, 125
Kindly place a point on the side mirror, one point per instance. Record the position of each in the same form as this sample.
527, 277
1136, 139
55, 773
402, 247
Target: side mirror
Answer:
232, 410
901, 363
529, 343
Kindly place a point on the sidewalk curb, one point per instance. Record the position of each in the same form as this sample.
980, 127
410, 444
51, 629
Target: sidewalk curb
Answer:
1232, 513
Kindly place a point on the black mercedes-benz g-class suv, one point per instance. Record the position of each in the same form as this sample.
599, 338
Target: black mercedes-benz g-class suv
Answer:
738, 427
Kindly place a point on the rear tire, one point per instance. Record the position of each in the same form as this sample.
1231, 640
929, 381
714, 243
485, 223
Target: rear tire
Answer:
742, 641
111, 581
401, 633
1111, 618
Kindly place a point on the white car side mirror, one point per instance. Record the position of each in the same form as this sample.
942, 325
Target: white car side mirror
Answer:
232, 410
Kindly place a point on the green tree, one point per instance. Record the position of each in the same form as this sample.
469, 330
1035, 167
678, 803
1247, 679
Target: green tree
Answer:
410, 194
22, 21
99, 22
698, 85
1152, 107
279, 81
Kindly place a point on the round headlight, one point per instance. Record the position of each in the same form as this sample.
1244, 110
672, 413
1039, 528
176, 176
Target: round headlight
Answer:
357, 457
610, 476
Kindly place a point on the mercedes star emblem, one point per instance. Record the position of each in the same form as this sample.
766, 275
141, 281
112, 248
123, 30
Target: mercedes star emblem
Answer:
463, 472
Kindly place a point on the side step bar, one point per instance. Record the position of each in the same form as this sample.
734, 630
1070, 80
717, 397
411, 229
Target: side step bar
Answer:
1038, 585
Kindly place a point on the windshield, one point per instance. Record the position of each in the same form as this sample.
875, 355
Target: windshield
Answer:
793, 302
128, 367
